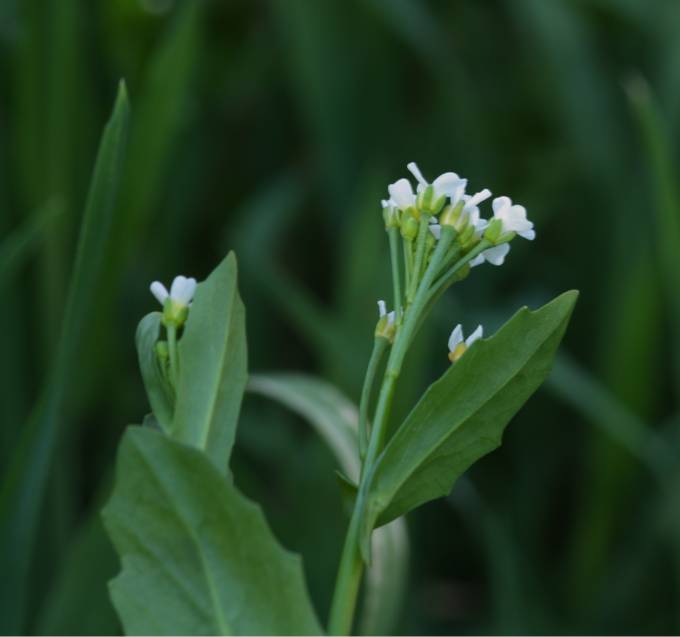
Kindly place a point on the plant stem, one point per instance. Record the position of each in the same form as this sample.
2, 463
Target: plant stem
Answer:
380, 345
408, 263
172, 352
420, 257
351, 562
393, 234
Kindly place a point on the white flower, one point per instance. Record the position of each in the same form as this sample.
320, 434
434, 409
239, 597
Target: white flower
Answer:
495, 255
448, 184
458, 345
382, 313
514, 217
401, 194
181, 291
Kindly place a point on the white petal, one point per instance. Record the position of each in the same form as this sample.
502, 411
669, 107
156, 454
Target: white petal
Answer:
382, 308
477, 334
456, 337
436, 230
415, 171
182, 290
499, 204
401, 192
477, 198
528, 234
478, 260
159, 291
390, 318
497, 254
449, 184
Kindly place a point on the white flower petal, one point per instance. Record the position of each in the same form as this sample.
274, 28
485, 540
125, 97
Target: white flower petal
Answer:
449, 184
415, 171
474, 200
456, 337
528, 234
390, 318
159, 291
382, 308
499, 204
401, 192
477, 334
478, 260
182, 290
497, 254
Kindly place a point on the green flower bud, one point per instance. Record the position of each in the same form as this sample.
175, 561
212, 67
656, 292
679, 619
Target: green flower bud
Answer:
409, 227
391, 216
428, 203
493, 231
174, 313
453, 216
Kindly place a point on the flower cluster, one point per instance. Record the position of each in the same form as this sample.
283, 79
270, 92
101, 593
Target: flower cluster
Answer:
444, 235
446, 202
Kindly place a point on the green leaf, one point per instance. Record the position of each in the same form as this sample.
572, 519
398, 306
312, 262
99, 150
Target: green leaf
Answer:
158, 390
334, 418
462, 416
197, 557
24, 480
213, 366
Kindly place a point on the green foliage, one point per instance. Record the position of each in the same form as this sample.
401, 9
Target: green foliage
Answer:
213, 366
25, 478
158, 389
198, 557
334, 418
462, 416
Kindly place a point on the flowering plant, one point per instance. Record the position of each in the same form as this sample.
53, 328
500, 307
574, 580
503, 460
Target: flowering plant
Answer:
197, 556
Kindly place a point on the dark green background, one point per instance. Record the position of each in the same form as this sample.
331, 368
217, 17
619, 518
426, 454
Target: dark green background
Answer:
273, 127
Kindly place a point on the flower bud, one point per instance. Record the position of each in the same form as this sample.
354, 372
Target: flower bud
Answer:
409, 227
429, 202
174, 313
493, 231
390, 215
454, 216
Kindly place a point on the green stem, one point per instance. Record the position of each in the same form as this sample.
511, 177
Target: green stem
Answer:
172, 352
351, 562
420, 257
408, 263
449, 276
380, 345
393, 234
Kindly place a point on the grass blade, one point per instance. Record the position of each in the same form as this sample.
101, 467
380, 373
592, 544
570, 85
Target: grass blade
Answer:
26, 477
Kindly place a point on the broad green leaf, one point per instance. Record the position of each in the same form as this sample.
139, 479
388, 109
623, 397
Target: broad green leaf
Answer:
158, 390
197, 557
25, 478
462, 416
213, 366
335, 418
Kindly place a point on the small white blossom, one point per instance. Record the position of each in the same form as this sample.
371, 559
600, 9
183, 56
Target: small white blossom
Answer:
458, 345
181, 291
514, 217
382, 312
448, 184
401, 194
495, 255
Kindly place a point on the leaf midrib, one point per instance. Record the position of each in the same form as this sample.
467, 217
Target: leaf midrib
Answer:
377, 499
221, 621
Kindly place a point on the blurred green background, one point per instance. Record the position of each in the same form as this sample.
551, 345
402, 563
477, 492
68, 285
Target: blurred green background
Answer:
273, 127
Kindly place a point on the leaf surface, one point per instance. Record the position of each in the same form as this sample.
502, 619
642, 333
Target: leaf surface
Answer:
198, 558
213, 366
462, 416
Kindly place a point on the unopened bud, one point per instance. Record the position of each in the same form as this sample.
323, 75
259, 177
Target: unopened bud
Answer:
454, 216
493, 231
409, 227
429, 202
